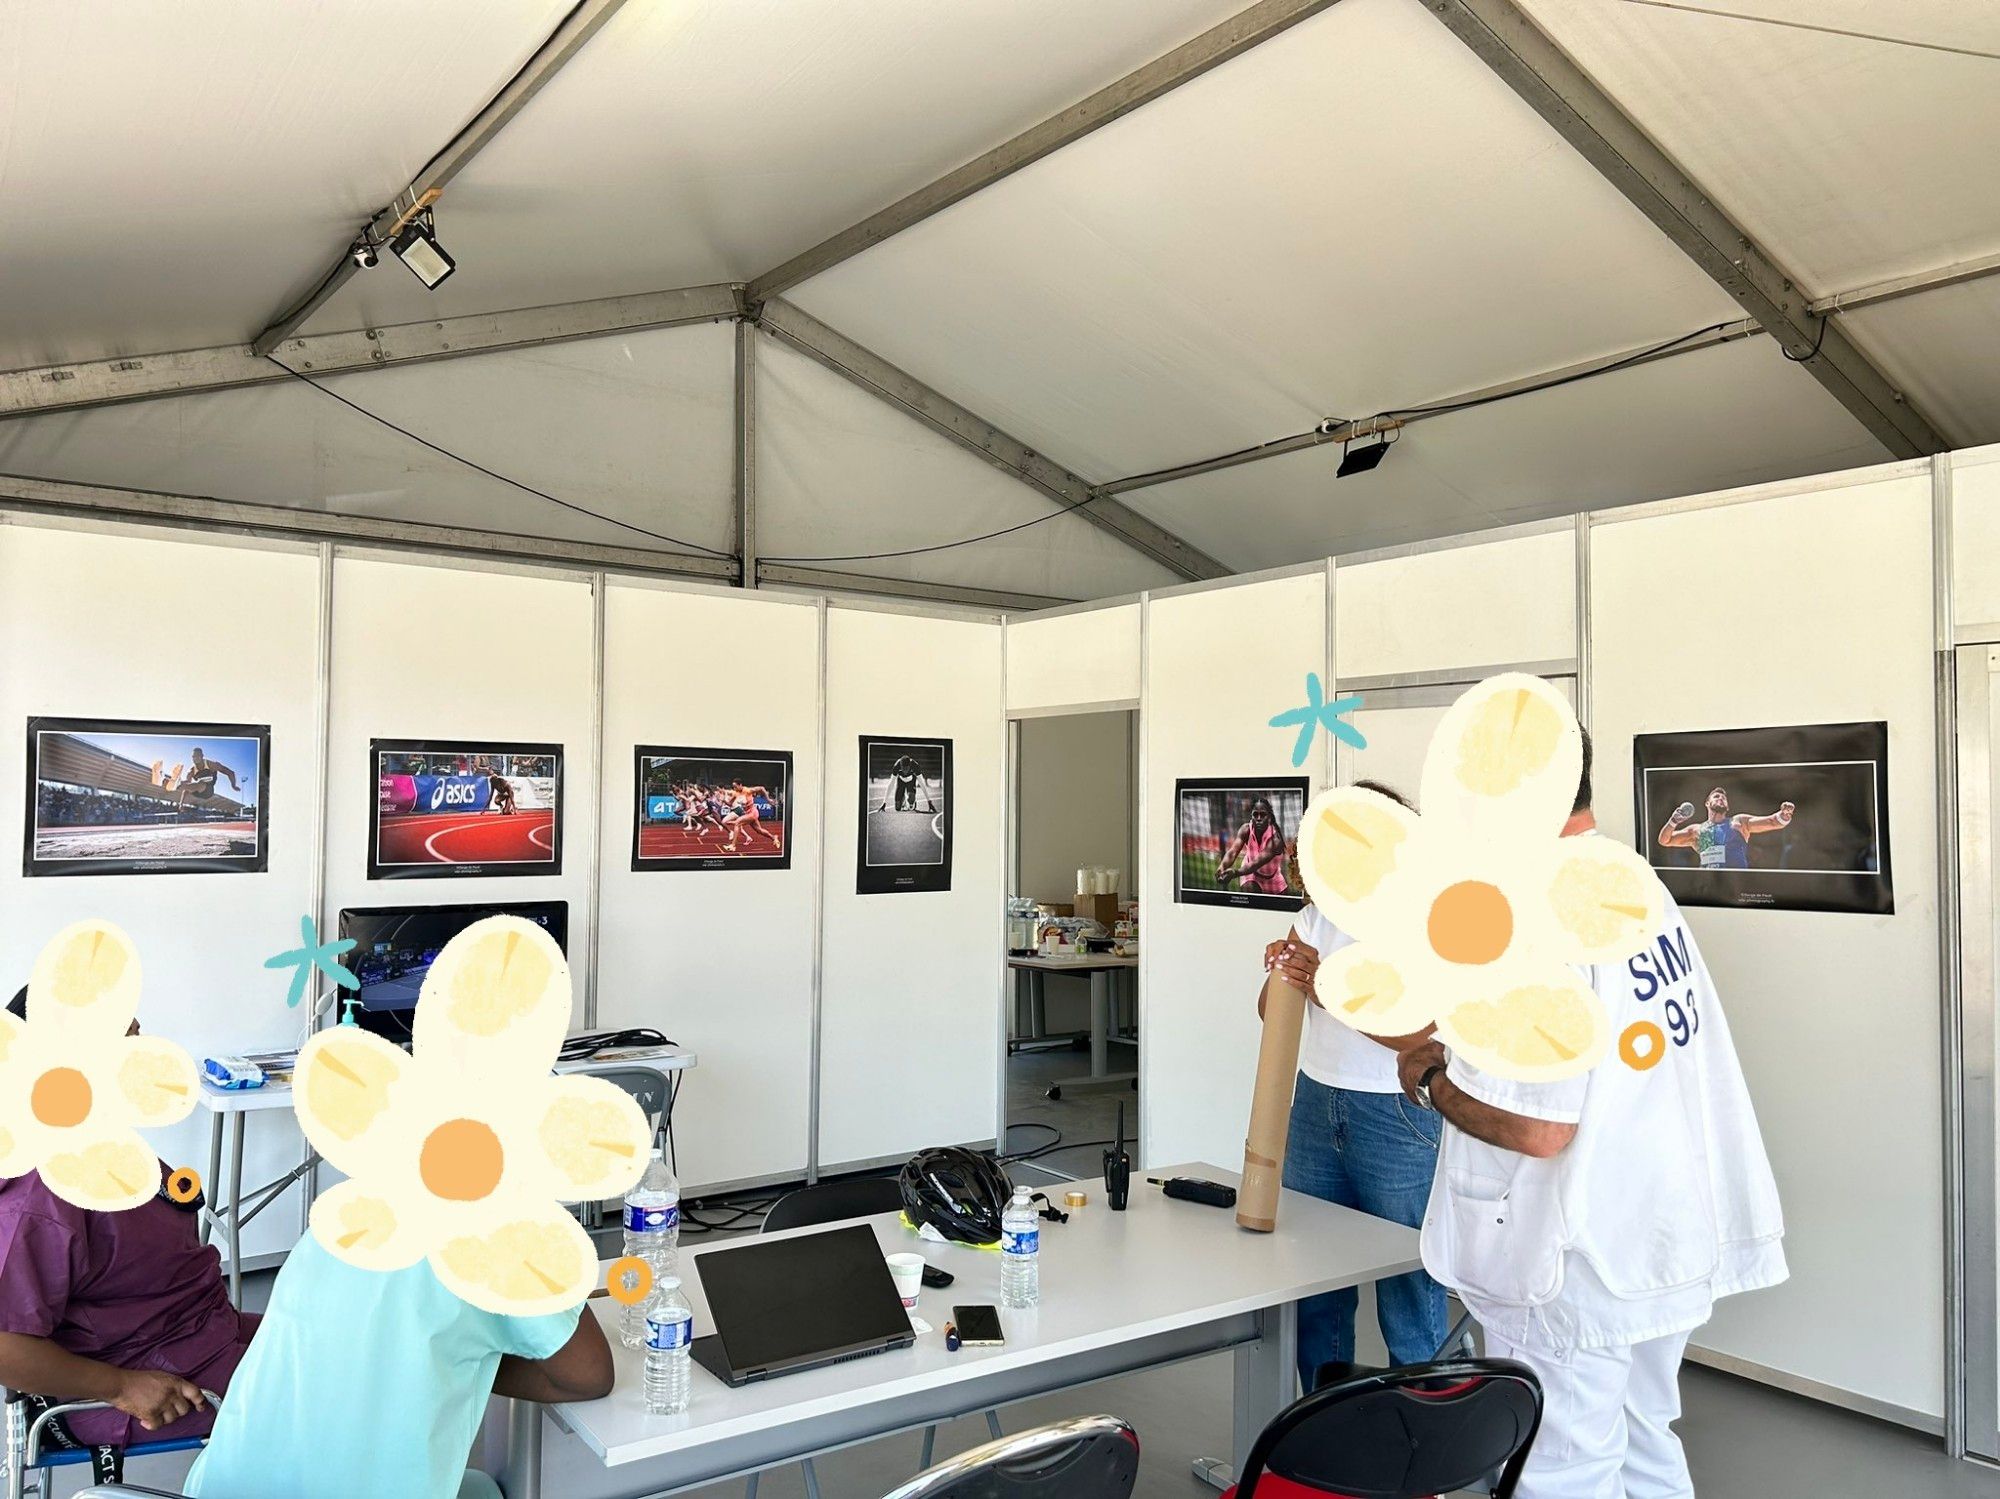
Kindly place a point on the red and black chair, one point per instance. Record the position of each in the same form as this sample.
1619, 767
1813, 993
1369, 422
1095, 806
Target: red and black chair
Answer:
1408, 1433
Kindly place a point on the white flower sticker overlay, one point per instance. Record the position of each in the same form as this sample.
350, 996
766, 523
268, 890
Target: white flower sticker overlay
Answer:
1474, 915
74, 1088
463, 1150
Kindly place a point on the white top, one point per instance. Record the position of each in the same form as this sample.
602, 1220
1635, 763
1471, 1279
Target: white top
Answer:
1333, 1053
1661, 1203
1106, 1279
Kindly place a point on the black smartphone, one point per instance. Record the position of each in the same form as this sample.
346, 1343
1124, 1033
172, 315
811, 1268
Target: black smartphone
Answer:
978, 1326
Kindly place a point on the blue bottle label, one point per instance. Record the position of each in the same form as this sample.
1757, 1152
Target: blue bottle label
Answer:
1028, 1241
651, 1220
669, 1333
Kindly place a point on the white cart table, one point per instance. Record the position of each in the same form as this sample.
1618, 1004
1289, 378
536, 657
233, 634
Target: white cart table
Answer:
1103, 969
229, 1112
1121, 1292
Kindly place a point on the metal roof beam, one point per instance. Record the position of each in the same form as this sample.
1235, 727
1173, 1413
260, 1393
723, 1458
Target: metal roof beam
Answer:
68, 387
827, 580
1248, 28
578, 27
869, 370
1524, 57
58, 497
1444, 406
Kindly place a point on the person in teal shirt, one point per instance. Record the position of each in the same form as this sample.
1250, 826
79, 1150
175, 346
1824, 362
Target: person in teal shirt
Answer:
372, 1382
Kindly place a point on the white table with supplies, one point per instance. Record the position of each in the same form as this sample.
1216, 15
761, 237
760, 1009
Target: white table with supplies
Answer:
1120, 1292
1103, 969
229, 1111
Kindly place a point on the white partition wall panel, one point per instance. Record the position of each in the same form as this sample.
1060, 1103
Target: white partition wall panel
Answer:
1068, 660
720, 961
911, 984
424, 651
1219, 663
1975, 542
1484, 604
146, 626
1816, 608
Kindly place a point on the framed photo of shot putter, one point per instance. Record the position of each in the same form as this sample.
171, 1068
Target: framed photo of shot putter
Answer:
906, 797
124, 796
1793, 818
1235, 836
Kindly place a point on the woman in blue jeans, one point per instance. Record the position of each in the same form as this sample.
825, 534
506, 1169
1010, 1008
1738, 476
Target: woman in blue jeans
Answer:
1355, 1140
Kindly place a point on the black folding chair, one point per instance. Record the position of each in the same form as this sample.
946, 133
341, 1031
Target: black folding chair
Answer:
1088, 1457
1408, 1433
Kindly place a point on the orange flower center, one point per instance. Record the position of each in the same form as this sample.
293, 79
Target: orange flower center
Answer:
461, 1161
1471, 922
61, 1098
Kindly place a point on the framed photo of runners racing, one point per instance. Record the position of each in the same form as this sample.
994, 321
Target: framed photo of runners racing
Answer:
132, 796
1236, 838
1793, 818
711, 808
464, 807
905, 834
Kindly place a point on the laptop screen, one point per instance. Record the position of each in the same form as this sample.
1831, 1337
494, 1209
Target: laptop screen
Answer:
779, 1301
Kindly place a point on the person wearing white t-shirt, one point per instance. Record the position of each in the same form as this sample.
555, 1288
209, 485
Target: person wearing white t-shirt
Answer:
1354, 1140
1590, 1225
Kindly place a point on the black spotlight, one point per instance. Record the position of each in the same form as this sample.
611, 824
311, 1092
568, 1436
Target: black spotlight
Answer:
417, 248
1355, 460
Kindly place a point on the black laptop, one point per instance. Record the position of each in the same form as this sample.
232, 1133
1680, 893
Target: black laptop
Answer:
798, 1302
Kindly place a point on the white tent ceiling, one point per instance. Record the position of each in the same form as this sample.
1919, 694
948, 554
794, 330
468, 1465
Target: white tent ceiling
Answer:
1355, 215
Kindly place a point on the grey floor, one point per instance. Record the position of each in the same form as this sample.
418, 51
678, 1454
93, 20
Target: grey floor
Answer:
1086, 1120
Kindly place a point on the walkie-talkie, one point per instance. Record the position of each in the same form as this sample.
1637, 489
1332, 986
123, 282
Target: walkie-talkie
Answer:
1118, 1168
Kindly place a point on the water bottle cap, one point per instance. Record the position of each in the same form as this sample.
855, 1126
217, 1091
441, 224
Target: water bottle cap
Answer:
668, 1282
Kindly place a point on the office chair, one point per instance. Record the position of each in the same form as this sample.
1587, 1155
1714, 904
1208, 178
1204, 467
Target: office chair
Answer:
23, 1452
125, 1491
651, 1090
1407, 1433
833, 1202
1086, 1457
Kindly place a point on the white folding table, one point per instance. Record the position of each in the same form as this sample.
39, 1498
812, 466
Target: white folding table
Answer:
231, 1109
1160, 1282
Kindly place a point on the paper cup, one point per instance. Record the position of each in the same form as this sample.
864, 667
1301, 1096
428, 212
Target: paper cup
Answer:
907, 1270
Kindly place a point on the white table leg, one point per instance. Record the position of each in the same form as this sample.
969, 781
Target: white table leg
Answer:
521, 1478
1100, 1022
213, 1182
1266, 1382
236, 1211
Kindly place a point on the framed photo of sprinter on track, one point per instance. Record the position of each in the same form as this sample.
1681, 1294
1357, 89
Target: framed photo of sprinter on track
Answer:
448, 808
1791, 818
711, 808
1236, 838
130, 796
906, 796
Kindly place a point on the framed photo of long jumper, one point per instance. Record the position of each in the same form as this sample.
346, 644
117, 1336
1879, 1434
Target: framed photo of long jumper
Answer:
710, 809
905, 834
129, 796
1789, 818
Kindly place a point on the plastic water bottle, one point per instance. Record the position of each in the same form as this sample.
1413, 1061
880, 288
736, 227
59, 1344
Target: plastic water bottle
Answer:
1020, 1251
652, 1234
669, 1332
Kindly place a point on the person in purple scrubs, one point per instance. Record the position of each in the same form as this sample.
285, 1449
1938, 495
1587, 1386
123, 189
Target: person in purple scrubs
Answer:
129, 1308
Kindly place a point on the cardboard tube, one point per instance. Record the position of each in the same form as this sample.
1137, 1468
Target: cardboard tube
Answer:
1271, 1105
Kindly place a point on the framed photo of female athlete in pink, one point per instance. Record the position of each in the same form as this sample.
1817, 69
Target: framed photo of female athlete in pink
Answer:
1236, 839
1790, 818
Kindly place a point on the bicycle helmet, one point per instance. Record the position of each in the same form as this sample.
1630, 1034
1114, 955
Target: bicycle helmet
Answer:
956, 1192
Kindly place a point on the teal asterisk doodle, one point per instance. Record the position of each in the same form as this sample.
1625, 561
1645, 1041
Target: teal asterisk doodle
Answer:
314, 956
1317, 714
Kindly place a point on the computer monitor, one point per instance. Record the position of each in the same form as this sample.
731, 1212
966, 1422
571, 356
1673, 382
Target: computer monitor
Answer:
394, 947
